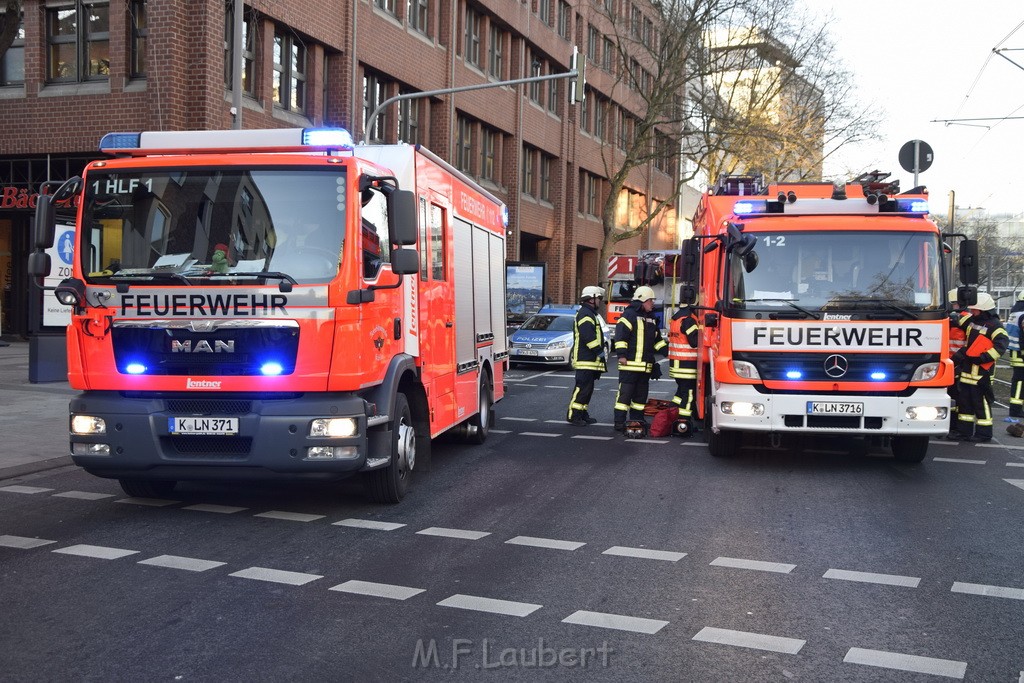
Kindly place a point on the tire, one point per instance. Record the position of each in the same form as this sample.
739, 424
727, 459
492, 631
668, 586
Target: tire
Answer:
912, 449
145, 488
479, 426
390, 484
724, 443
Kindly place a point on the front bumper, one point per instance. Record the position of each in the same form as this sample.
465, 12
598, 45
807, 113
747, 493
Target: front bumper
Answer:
555, 357
272, 440
886, 415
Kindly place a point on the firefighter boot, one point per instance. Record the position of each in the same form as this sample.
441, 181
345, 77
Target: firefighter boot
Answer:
589, 420
576, 418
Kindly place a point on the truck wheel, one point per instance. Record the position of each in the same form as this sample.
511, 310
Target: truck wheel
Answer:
144, 488
389, 484
724, 443
479, 426
910, 448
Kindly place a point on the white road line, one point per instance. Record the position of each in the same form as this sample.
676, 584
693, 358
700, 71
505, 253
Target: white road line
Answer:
466, 534
1015, 464
756, 565
97, 551
219, 509
377, 590
30, 490
644, 553
999, 445
276, 576
545, 543
149, 502
618, 622
520, 419
289, 516
369, 524
556, 386
902, 662
935, 442
593, 438
477, 604
754, 641
700, 444
1019, 483
960, 460
547, 434
501, 431
22, 542
189, 564
521, 383
643, 441
869, 577
990, 591
83, 495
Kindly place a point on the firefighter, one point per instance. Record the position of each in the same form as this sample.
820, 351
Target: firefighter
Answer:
637, 339
1013, 329
986, 342
588, 357
682, 361
957, 338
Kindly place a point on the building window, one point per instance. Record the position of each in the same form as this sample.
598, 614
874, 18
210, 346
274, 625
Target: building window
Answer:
386, 5
248, 50
635, 21
553, 98
464, 145
419, 15
289, 71
409, 120
495, 50
601, 119
588, 193
488, 143
592, 42
544, 11
140, 34
78, 42
526, 173
564, 14
585, 114
648, 38
374, 92
535, 70
607, 53
545, 177
472, 36
12, 63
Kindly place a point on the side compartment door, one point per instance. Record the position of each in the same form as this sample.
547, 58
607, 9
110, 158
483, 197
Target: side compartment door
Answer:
437, 306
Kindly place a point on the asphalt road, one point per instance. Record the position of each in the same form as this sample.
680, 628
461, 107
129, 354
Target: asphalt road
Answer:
546, 548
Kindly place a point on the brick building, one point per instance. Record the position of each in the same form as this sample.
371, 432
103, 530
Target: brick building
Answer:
81, 68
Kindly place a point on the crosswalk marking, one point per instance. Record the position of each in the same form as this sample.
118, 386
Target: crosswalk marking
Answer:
289, 516
276, 576
990, 591
149, 502
618, 622
29, 490
644, 553
218, 509
478, 604
23, 542
756, 565
465, 534
377, 590
870, 577
97, 551
83, 495
189, 564
755, 641
369, 524
550, 543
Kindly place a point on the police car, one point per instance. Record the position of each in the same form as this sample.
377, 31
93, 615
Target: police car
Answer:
546, 336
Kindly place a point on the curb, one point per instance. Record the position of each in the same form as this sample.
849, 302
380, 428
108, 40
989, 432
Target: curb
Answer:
15, 471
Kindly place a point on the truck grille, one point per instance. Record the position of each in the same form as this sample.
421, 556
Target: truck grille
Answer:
192, 406
214, 447
226, 351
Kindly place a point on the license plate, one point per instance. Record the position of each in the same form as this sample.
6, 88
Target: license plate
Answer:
527, 352
218, 426
834, 408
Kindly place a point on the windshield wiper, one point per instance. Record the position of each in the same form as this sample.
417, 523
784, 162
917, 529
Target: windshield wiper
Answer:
151, 275
888, 303
286, 280
788, 302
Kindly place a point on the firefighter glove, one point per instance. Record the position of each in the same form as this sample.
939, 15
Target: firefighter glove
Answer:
977, 360
960, 356
656, 372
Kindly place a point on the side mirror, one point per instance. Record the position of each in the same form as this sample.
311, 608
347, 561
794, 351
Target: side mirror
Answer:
750, 261
968, 262
39, 264
46, 222
711, 320
691, 261
405, 261
688, 295
402, 218
967, 296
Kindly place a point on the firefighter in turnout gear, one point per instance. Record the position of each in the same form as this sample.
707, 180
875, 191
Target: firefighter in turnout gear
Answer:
682, 361
588, 357
987, 340
1013, 328
637, 339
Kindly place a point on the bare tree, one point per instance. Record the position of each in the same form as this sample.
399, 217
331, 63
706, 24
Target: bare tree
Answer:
1000, 253
10, 21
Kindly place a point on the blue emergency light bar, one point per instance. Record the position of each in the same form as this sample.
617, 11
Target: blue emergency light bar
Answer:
330, 138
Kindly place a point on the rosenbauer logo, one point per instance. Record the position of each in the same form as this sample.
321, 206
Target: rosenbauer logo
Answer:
201, 384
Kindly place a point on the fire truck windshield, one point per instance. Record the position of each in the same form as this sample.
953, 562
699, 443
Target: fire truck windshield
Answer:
894, 272
213, 225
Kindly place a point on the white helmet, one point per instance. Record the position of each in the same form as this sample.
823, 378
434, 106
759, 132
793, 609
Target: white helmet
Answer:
985, 302
592, 292
952, 295
643, 294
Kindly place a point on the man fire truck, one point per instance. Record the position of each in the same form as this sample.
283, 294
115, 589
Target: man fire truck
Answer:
278, 303
651, 268
824, 311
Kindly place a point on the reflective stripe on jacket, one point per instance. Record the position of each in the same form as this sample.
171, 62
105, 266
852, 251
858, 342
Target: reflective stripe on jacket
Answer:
637, 338
587, 341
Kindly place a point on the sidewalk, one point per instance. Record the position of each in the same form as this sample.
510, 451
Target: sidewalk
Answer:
33, 417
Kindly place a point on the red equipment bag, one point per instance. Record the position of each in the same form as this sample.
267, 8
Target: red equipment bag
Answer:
656, 405
663, 422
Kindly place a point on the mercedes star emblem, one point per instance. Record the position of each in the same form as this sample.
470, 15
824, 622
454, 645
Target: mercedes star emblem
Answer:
836, 366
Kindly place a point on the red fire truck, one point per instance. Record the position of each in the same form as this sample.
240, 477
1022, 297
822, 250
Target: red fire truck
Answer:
824, 311
278, 303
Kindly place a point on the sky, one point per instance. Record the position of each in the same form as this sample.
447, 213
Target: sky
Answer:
917, 61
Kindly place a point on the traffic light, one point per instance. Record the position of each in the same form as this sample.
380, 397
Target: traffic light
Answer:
577, 89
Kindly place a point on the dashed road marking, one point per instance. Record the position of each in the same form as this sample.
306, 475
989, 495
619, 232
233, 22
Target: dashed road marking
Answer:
902, 662
964, 461
546, 434
644, 553
478, 604
289, 516
1019, 483
22, 542
593, 438
617, 622
999, 445
936, 442
870, 577
369, 524
218, 509
189, 564
550, 543
83, 495
149, 502
98, 551
29, 490
756, 565
454, 533
556, 386
1015, 464
990, 591
643, 441
500, 431
754, 641
276, 576
520, 419
377, 590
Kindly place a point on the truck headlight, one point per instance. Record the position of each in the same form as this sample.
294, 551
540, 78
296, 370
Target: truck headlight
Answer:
925, 372
742, 408
87, 425
926, 413
745, 370
333, 427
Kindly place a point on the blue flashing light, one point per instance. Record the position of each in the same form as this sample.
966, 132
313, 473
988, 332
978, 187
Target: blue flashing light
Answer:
912, 205
271, 369
135, 368
794, 374
338, 138
878, 375
504, 215
748, 207
120, 141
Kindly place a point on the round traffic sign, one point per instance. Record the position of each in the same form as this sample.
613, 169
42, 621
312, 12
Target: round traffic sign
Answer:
924, 156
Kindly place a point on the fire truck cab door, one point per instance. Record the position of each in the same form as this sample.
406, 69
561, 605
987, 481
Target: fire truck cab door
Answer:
438, 311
